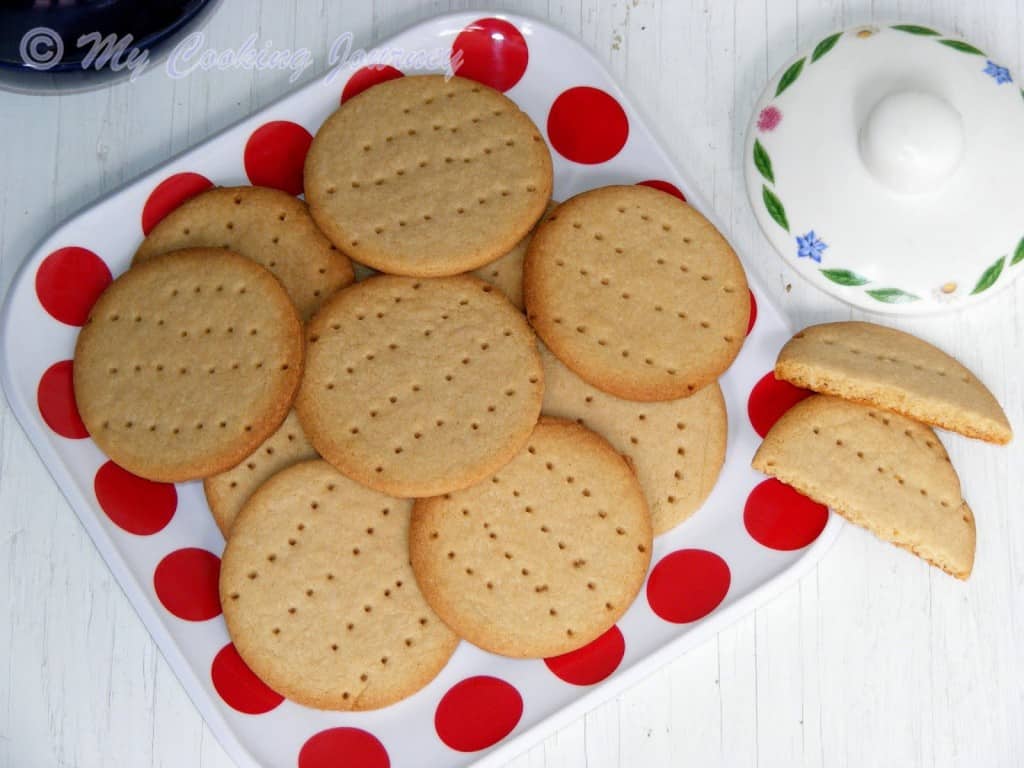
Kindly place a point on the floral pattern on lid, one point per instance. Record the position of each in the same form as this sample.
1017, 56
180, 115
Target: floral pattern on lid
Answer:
999, 74
810, 246
769, 119
765, 175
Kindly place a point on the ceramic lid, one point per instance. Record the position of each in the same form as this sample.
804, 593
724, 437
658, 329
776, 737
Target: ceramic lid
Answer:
885, 165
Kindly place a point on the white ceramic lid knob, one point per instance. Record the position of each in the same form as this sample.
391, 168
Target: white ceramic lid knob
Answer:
912, 141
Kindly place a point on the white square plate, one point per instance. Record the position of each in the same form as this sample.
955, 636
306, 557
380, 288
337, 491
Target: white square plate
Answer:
733, 574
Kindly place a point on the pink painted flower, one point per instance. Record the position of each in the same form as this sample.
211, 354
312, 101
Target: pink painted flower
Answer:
769, 118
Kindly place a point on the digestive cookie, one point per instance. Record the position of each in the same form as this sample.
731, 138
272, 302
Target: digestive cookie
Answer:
427, 176
187, 363
319, 597
877, 469
543, 556
677, 447
636, 292
891, 369
417, 387
226, 492
266, 225
506, 273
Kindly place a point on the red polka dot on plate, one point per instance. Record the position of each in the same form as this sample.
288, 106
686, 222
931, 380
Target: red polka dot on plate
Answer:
477, 713
186, 581
587, 125
687, 585
664, 186
169, 194
781, 517
275, 155
55, 397
368, 77
343, 748
69, 281
769, 399
593, 662
239, 686
492, 52
133, 503
753, 313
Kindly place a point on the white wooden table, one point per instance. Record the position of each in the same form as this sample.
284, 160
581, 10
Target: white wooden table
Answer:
872, 659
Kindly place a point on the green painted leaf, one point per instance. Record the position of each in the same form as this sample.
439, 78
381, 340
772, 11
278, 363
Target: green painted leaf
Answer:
825, 46
960, 45
844, 277
775, 208
1018, 255
914, 29
789, 76
892, 296
763, 162
989, 276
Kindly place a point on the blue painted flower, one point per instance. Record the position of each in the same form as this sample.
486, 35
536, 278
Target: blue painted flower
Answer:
810, 246
999, 74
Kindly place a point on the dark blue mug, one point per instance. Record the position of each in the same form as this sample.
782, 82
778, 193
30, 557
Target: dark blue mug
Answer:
69, 45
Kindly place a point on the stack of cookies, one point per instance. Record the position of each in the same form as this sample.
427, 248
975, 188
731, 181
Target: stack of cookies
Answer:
865, 445
400, 463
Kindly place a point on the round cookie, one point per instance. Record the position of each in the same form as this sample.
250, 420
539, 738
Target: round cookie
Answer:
319, 597
676, 447
226, 492
187, 363
419, 387
506, 273
542, 557
427, 176
266, 225
636, 292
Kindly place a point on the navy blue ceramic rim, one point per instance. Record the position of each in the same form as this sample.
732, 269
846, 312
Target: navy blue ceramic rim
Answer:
149, 41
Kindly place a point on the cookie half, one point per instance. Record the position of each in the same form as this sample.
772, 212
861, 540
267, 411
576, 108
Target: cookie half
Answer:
879, 470
677, 447
427, 176
417, 387
266, 225
318, 595
226, 492
891, 369
636, 292
543, 556
187, 363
